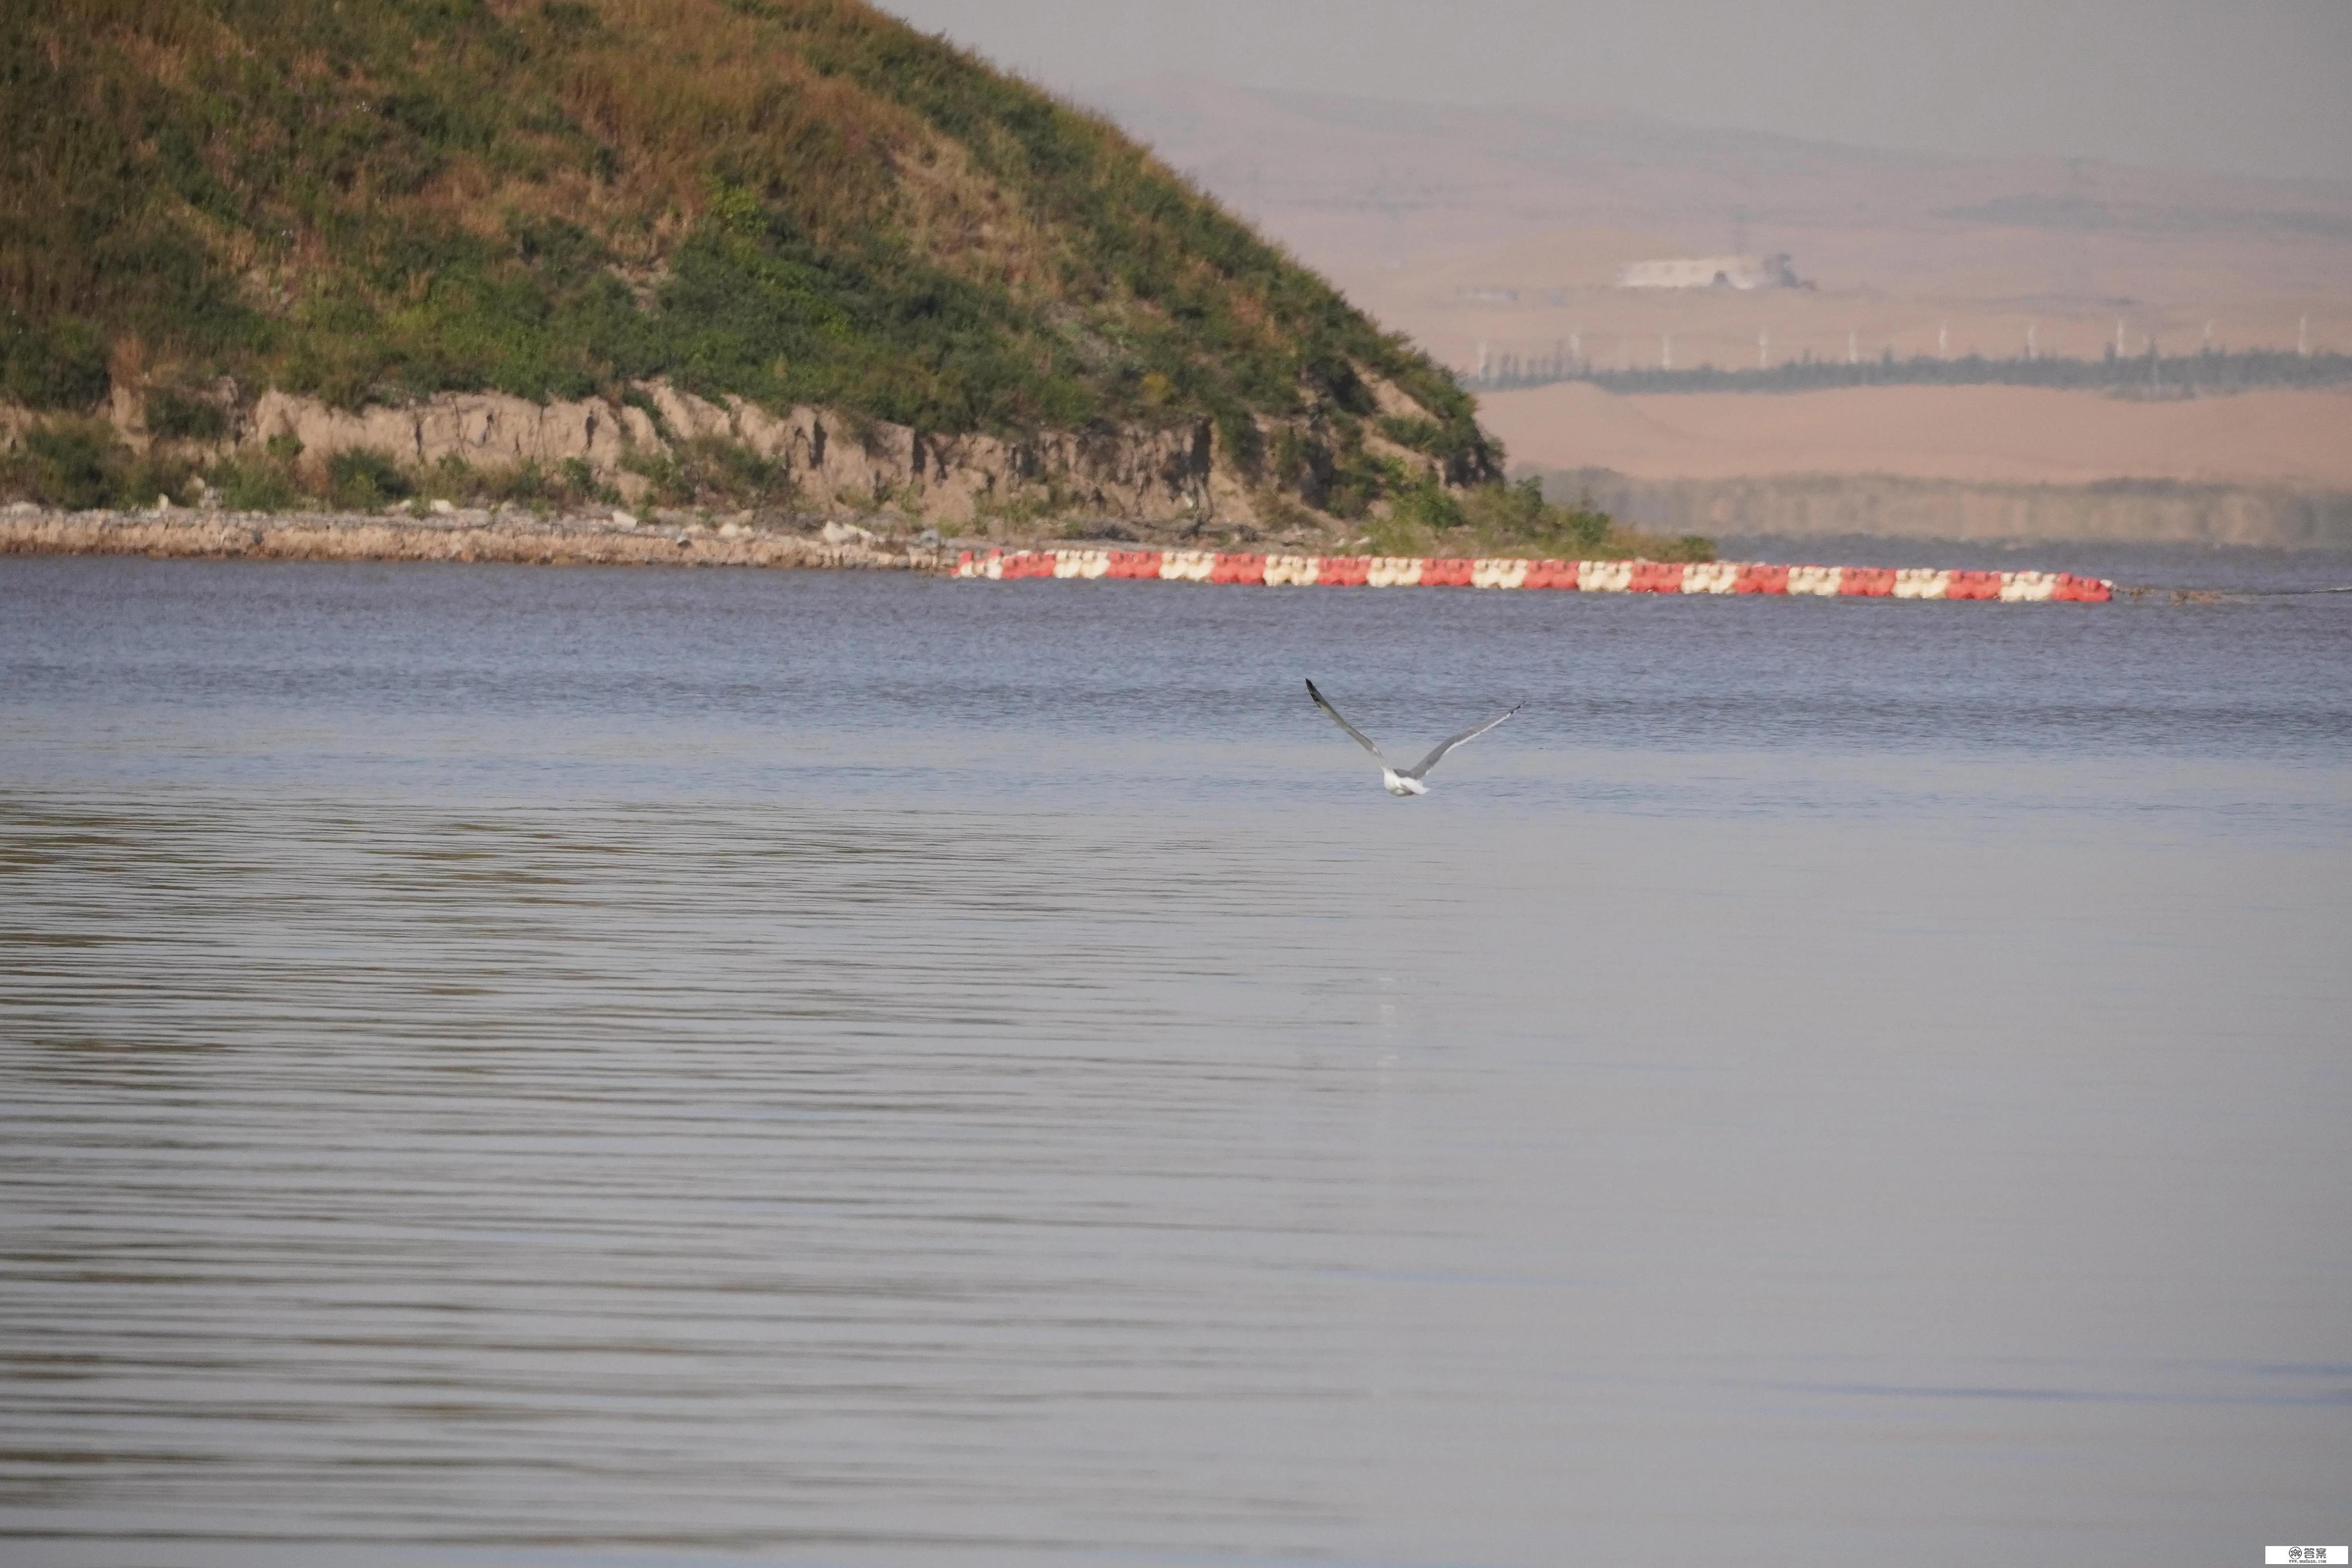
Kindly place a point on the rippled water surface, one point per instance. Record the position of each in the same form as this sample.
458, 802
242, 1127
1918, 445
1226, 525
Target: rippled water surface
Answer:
533, 1067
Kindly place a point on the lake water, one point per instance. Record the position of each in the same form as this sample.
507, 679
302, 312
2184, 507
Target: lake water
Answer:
648, 1068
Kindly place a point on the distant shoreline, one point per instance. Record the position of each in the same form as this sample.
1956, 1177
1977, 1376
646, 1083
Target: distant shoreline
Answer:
2149, 375
2268, 468
1887, 506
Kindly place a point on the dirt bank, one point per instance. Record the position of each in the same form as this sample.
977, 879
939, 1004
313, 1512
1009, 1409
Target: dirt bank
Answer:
832, 466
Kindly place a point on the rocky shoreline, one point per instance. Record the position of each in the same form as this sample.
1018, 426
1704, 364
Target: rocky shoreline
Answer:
508, 534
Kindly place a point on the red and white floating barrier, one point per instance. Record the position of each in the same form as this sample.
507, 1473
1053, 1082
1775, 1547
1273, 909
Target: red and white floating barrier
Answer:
1577, 576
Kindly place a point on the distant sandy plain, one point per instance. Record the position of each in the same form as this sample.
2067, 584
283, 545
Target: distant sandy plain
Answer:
1501, 231
2009, 434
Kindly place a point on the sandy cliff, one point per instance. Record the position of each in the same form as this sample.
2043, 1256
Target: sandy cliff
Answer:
837, 465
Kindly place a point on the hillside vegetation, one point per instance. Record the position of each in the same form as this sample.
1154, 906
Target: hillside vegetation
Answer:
796, 203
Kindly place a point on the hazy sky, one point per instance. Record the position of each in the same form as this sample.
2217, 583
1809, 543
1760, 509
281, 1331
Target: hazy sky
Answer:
2259, 87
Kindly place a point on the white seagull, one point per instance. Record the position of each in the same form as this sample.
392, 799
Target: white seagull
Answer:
1405, 781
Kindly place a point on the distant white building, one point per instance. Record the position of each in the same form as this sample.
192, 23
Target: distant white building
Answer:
1710, 272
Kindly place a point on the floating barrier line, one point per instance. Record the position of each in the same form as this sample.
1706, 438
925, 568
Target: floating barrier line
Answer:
1718, 577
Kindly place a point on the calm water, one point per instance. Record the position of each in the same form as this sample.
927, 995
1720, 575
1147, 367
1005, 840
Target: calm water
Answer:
536, 1067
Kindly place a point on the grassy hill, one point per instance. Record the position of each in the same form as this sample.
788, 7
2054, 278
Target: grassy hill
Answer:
794, 202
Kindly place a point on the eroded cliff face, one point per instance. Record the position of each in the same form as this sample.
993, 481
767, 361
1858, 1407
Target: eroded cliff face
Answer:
836, 466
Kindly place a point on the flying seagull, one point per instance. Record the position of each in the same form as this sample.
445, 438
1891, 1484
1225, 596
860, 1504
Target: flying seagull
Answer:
1406, 781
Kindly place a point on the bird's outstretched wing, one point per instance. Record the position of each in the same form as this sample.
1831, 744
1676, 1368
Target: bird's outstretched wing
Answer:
1358, 735
1447, 745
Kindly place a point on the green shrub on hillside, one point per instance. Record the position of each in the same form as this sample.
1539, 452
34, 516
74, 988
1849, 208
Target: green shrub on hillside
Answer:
256, 481
1514, 520
175, 413
364, 480
81, 465
59, 362
78, 466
